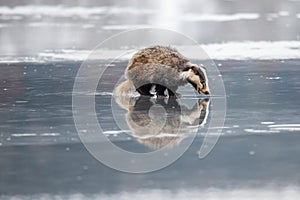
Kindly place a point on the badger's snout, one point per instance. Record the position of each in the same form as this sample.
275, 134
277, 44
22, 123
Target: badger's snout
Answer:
206, 92
202, 90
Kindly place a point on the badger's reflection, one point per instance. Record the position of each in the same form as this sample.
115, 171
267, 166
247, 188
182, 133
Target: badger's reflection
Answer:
160, 122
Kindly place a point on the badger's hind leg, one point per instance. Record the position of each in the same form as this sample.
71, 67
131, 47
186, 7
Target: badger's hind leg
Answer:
145, 90
160, 90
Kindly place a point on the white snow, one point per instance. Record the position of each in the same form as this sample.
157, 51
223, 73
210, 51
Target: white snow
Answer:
220, 17
234, 50
63, 11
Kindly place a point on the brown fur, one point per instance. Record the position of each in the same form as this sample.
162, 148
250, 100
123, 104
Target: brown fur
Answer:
158, 55
165, 68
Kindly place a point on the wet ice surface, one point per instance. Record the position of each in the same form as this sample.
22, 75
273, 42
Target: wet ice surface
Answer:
255, 46
36, 102
41, 151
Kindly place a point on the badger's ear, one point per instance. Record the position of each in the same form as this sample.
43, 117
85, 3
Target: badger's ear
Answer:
187, 68
192, 67
200, 71
195, 69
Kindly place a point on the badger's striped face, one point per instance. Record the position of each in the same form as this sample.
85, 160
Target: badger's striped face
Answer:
198, 78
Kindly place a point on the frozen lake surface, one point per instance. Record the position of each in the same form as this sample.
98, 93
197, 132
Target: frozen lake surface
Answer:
39, 143
255, 47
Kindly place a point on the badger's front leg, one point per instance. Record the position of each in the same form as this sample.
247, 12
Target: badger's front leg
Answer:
160, 90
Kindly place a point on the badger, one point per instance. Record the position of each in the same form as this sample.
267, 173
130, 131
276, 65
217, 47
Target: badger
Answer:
166, 69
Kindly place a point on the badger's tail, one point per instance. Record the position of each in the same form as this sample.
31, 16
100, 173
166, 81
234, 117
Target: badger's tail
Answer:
125, 88
122, 95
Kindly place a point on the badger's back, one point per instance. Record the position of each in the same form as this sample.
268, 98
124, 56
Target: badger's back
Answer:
157, 55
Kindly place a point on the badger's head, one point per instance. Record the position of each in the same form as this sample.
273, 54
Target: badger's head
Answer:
196, 76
